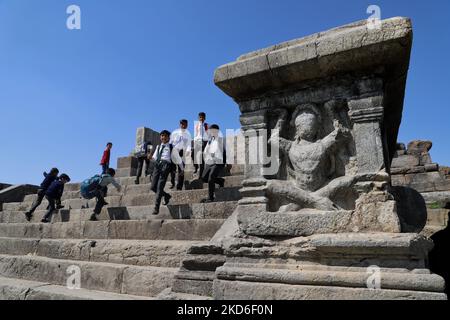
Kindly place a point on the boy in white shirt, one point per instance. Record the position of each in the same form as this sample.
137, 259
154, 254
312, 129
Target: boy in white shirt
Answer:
181, 141
201, 138
163, 157
215, 159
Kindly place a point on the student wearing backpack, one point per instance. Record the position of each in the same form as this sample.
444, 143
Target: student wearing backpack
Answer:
143, 154
49, 178
53, 195
163, 166
97, 187
106, 158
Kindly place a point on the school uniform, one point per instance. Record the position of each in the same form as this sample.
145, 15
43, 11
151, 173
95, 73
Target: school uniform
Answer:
181, 141
215, 159
163, 167
141, 154
201, 138
53, 196
41, 192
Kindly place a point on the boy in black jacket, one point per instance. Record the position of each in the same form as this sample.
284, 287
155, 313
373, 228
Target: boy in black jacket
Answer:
49, 178
54, 194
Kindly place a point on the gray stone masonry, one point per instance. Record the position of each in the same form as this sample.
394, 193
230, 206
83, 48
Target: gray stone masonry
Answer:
328, 224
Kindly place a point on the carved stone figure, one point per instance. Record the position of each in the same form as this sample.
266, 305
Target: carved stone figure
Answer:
311, 162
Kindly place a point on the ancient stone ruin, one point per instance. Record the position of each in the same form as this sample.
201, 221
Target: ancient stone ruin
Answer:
413, 168
327, 224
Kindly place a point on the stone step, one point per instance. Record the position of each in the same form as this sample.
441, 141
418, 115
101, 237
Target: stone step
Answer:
155, 253
437, 217
72, 191
178, 198
18, 289
215, 210
109, 277
192, 230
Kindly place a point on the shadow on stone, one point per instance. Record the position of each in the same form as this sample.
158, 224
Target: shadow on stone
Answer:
118, 213
411, 208
439, 257
65, 215
194, 184
182, 212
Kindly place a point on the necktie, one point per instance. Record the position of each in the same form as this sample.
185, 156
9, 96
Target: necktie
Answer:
161, 150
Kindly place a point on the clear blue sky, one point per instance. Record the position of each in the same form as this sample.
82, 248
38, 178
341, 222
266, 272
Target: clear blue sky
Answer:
64, 94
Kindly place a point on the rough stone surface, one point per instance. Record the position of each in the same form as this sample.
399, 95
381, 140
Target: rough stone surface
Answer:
413, 169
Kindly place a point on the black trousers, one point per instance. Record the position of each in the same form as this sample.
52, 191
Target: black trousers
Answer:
100, 195
51, 207
194, 158
37, 203
160, 174
173, 173
141, 162
211, 177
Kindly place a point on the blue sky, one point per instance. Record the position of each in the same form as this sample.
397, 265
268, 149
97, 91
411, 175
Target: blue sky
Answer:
64, 94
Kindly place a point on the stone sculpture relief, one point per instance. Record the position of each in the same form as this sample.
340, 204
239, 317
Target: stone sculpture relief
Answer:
313, 161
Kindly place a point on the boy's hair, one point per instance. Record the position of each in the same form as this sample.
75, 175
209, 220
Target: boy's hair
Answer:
202, 114
54, 171
165, 133
214, 126
64, 177
111, 172
184, 121
109, 144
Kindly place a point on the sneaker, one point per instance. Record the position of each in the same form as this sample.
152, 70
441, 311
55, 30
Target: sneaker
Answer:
167, 198
93, 217
136, 182
59, 207
28, 216
222, 184
45, 221
155, 212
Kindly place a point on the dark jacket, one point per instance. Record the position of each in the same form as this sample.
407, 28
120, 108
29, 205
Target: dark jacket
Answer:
56, 189
47, 181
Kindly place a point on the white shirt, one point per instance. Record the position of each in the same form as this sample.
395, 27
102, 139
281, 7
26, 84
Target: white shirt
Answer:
165, 153
200, 134
167, 156
213, 153
181, 140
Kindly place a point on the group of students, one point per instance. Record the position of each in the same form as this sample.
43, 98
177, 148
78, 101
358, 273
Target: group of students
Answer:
207, 150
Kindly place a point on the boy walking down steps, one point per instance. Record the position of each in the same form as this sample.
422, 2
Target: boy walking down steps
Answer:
163, 157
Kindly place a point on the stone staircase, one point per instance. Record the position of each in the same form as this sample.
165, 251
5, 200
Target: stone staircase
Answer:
128, 254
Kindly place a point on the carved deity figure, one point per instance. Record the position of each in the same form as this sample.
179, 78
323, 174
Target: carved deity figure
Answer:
311, 163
